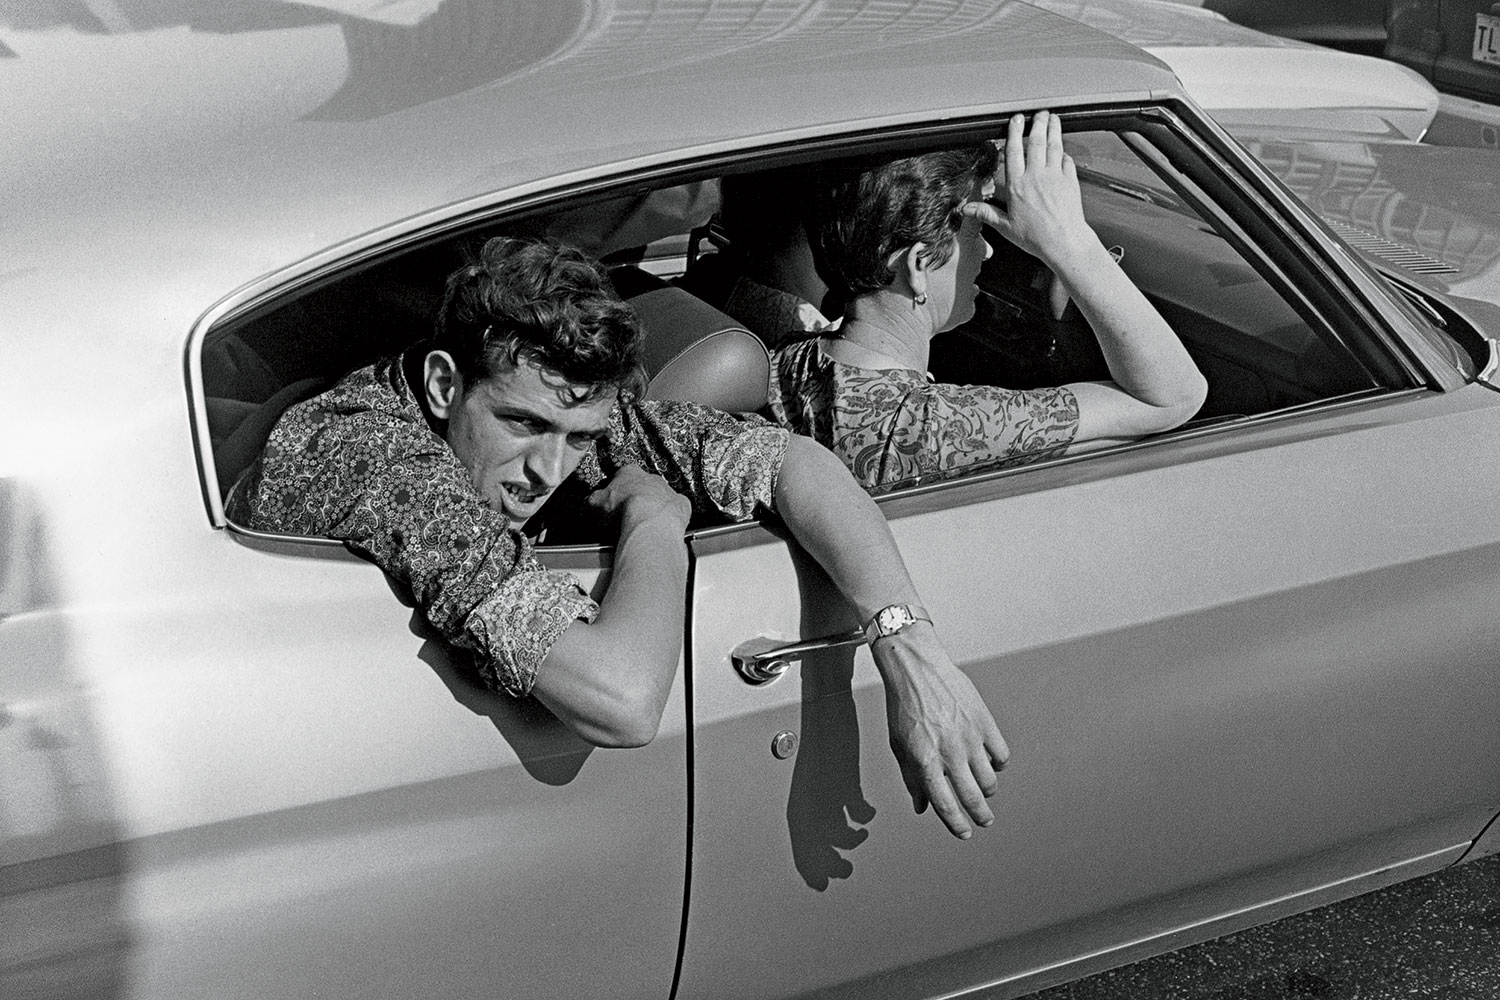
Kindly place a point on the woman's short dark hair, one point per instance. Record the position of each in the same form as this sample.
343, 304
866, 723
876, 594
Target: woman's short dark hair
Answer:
860, 213
548, 303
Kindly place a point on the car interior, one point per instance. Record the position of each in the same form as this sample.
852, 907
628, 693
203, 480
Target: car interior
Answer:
1262, 349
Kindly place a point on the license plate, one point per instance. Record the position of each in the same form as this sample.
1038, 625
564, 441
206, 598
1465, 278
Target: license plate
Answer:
1487, 39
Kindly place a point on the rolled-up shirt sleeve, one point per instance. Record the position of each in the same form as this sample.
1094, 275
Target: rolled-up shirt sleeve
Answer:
516, 626
394, 492
474, 576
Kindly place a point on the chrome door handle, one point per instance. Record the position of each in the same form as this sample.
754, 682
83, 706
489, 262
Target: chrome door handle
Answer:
761, 660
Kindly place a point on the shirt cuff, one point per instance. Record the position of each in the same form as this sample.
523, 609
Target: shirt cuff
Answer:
516, 626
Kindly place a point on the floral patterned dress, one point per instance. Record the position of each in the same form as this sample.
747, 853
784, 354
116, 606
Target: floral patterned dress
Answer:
893, 427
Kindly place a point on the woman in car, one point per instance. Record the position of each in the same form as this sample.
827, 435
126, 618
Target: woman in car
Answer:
900, 240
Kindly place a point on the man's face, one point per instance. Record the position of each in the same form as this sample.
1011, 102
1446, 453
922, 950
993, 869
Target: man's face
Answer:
519, 433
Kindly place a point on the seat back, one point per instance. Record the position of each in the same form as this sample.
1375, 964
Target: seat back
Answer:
695, 353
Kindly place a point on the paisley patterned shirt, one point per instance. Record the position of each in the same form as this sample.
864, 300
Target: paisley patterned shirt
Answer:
893, 427
361, 464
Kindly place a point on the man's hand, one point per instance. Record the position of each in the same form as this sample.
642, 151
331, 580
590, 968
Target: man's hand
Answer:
633, 497
945, 740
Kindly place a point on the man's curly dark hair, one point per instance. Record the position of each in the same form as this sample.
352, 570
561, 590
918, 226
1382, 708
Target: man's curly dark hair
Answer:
534, 299
858, 213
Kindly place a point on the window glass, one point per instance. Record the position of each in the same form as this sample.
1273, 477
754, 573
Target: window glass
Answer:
1258, 352
1260, 346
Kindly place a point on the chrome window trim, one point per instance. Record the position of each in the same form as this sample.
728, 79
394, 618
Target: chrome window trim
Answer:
920, 498
316, 545
925, 498
1218, 150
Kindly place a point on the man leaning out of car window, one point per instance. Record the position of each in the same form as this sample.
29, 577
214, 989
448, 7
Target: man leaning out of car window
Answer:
431, 463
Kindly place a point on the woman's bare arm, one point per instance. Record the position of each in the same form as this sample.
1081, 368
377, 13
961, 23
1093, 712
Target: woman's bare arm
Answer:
1154, 384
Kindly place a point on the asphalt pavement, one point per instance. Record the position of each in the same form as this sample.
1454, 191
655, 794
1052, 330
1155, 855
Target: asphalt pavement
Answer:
1432, 937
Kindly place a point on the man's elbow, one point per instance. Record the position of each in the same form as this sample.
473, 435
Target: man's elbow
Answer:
627, 723
626, 733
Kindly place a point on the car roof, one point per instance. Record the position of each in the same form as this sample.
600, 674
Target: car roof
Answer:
246, 136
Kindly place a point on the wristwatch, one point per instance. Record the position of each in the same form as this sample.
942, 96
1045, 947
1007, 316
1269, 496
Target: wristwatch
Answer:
895, 619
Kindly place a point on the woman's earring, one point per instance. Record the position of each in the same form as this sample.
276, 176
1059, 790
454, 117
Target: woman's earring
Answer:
919, 299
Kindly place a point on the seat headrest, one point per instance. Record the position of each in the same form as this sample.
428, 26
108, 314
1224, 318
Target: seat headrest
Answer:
695, 353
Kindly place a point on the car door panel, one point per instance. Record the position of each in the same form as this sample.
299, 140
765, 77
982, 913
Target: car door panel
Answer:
1231, 667
355, 804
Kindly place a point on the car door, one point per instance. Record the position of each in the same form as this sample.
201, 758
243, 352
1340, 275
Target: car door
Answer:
331, 804
1243, 669
323, 799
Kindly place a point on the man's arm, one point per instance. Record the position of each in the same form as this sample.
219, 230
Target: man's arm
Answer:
608, 680
945, 739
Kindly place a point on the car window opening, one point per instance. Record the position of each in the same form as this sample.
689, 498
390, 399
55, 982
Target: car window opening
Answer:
671, 254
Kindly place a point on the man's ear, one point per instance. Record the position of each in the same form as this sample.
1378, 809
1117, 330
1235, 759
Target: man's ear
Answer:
440, 382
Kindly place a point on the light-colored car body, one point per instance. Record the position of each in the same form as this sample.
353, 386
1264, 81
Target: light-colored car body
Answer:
1343, 23
1249, 78
1244, 669
1453, 43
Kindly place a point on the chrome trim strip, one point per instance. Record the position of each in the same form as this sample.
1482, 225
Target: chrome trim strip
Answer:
281, 539
250, 535
931, 492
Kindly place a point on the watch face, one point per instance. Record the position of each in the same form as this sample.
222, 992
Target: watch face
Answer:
893, 618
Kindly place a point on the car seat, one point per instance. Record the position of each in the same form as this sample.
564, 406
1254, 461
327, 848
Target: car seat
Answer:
692, 351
